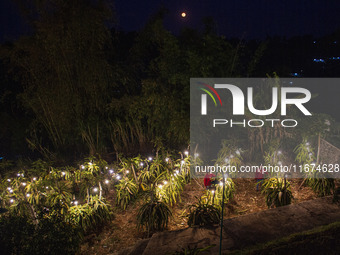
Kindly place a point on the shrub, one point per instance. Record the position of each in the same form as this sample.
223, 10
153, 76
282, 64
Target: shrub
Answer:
153, 216
277, 192
18, 235
202, 214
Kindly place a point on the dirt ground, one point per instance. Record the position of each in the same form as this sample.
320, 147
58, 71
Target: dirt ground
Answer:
122, 231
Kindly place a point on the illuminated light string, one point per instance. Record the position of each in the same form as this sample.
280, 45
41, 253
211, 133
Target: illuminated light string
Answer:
106, 181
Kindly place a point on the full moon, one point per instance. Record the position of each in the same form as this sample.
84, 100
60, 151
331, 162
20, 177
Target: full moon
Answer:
183, 14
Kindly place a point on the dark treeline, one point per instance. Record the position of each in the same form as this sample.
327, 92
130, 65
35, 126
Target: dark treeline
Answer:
76, 87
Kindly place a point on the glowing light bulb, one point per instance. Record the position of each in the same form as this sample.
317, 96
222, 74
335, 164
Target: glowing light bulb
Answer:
213, 191
107, 181
95, 190
63, 173
127, 171
150, 158
183, 14
76, 202
141, 164
28, 195
23, 184
221, 183
167, 160
118, 177
160, 186
34, 178
111, 171
186, 153
82, 167
9, 180
165, 182
182, 162
11, 201
106, 167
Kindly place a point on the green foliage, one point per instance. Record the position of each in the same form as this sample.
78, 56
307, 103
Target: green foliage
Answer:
277, 192
126, 190
203, 214
304, 153
214, 196
153, 216
18, 235
321, 186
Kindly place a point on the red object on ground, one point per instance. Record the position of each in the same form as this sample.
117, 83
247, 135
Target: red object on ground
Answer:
207, 179
259, 174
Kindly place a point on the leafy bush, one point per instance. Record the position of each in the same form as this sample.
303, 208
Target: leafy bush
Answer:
153, 216
18, 235
126, 191
202, 214
321, 186
277, 192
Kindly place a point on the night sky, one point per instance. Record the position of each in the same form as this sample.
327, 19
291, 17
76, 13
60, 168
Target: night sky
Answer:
234, 18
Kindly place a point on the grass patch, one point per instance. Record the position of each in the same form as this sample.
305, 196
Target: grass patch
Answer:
321, 240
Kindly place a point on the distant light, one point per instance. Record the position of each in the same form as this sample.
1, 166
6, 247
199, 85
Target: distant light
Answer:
183, 14
9, 188
46, 187
18, 174
106, 167
213, 191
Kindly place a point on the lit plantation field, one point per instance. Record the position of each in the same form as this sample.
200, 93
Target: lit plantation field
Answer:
122, 232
